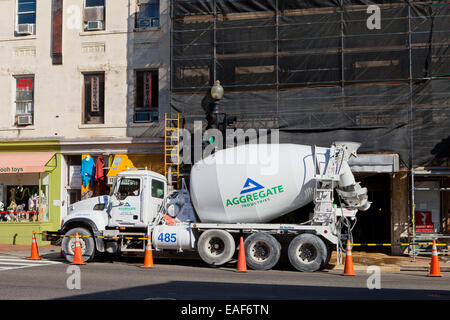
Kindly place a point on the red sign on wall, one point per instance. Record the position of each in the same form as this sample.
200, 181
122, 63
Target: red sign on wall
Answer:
25, 83
423, 221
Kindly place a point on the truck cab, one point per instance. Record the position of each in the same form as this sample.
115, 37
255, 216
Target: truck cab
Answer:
133, 202
135, 198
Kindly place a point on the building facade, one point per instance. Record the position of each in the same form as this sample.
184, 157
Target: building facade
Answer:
78, 78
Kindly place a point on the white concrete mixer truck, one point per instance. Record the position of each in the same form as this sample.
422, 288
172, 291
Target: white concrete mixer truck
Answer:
234, 192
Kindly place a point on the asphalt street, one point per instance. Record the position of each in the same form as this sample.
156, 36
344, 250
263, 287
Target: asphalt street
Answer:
124, 279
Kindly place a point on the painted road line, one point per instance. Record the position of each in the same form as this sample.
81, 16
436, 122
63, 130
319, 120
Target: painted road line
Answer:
30, 261
12, 262
13, 268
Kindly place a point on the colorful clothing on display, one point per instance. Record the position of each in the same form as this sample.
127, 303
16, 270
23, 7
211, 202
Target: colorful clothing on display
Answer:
87, 170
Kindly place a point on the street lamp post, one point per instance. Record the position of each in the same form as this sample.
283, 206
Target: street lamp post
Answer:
213, 117
217, 95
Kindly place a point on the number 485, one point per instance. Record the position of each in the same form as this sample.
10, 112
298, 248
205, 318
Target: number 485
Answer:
167, 237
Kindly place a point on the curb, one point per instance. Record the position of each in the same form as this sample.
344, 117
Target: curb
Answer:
390, 268
364, 267
408, 268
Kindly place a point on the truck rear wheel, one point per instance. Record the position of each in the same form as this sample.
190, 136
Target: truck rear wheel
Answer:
307, 252
87, 244
216, 247
262, 251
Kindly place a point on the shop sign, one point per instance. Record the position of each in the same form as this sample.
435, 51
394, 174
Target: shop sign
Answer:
10, 170
423, 221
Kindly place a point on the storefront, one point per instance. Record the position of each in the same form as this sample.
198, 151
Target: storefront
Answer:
29, 189
90, 167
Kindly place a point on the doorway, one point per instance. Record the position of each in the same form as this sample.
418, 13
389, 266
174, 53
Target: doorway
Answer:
374, 225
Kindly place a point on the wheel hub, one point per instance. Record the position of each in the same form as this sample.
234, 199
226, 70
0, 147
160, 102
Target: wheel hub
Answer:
260, 251
307, 253
216, 246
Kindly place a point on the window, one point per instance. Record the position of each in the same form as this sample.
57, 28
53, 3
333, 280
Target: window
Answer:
26, 17
94, 15
157, 189
24, 100
94, 98
146, 106
129, 188
148, 14
22, 202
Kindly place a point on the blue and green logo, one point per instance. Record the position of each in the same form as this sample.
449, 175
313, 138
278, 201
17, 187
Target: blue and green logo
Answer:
253, 193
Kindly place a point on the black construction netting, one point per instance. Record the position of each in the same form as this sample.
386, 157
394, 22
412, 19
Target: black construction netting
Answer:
320, 71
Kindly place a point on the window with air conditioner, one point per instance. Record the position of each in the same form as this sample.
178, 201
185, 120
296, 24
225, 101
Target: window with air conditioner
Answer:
26, 18
146, 103
94, 15
24, 100
94, 98
147, 15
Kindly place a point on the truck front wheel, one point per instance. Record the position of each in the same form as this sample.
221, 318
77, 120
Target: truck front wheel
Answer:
216, 247
262, 251
307, 252
87, 244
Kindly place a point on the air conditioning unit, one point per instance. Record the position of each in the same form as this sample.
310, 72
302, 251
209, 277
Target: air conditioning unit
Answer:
25, 29
145, 116
24, 119
143, 2
94, 25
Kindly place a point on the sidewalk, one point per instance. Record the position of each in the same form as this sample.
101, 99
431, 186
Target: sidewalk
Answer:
25, 250
361, 260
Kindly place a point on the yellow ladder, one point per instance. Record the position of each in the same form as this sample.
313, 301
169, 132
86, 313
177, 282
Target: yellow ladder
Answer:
172, 149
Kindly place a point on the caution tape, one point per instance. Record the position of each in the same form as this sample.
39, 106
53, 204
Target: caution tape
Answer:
147, 238
395, 244
87, 236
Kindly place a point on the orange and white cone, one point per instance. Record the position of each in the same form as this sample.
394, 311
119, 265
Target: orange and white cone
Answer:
348, 269
77, 255
34, 248
435, 270
242, 263
148, 259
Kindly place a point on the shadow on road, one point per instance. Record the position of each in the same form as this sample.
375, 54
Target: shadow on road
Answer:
190, 290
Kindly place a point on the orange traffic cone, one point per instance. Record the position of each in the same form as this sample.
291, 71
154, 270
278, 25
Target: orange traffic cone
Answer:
34, 248
148, 259
348, 269
77, 256
435, 270
242, 263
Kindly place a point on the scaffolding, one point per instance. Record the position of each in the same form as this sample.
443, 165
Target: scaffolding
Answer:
320, 71
309, 68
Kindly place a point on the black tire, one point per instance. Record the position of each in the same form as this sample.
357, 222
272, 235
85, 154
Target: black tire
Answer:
308, 253
216, 247
262, 251
329, 252
87, 244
